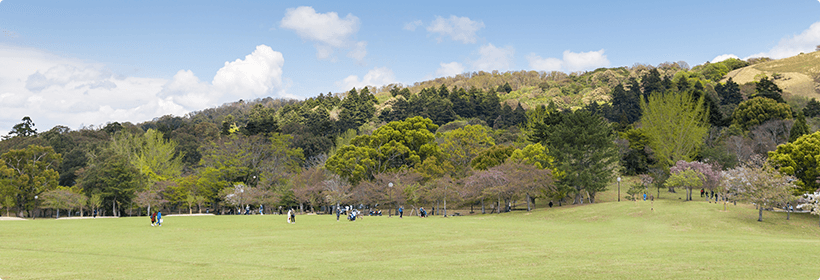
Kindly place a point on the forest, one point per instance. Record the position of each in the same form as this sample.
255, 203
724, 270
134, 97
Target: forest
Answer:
476, 140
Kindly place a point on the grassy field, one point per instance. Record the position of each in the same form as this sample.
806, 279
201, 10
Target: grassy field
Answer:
607, 240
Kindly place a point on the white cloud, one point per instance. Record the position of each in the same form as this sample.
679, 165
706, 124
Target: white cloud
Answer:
804, 42
449, 69
460, 29
53, 90
260, 73
723, 57
327, 30
494, 58
359, 51
379, 76
571, 61
411, 26
584, 60
544, 64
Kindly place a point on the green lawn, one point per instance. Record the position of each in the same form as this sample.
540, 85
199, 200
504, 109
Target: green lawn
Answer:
606, 240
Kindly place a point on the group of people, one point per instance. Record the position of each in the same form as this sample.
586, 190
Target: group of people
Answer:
156, 218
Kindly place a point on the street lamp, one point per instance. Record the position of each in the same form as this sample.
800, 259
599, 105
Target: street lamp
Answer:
619, 188
390, 196
35, 207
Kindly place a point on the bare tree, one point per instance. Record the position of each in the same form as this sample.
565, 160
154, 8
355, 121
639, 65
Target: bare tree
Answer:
307, 186
768, 135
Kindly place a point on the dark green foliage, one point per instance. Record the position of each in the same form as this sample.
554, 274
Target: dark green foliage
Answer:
625, 106
357, 109
636, 158
464, 103
539, 122
504, 88
24, 129
510, 117
651, 82
768, 89
583, 147
111, 176
812, 108
729, 92
261, 121
799, 128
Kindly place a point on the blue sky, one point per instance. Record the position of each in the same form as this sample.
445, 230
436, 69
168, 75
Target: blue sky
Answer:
78, 63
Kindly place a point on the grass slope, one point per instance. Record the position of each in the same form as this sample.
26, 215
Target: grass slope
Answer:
608, 240
798, 74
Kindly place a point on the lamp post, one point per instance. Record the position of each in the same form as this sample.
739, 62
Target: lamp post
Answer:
390, 196
619, 188
35, 208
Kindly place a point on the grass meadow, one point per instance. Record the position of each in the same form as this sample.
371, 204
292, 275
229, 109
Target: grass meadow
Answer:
605, 240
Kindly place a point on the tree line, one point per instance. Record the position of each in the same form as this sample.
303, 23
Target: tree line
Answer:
440, 144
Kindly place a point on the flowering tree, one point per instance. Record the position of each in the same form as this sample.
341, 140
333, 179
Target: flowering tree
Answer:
476, 185
708, 174
759, 184
813, 203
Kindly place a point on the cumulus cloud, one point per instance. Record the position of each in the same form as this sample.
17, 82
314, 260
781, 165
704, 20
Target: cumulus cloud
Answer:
804, 42
723, 57
571, 61
494, 58
378, 76
449, 69
328, 31
460, 29
411, 26
53, 90
260, 73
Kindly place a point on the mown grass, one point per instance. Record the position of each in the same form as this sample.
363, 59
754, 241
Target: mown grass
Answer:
606, 240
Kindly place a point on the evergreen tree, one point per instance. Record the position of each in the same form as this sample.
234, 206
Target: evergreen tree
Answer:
799, 128
812, 108
729, 92
651, 82
768, 89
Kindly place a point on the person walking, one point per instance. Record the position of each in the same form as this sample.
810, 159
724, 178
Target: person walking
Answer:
153, 218
293, 217
95, 213
550, 203
159, 218
338, 213
701, 192
401, 212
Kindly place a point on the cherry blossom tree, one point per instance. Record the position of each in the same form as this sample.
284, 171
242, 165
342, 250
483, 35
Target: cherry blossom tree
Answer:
812, 203
757, 182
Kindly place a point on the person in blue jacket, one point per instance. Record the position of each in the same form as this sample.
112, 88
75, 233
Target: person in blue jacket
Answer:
159, 218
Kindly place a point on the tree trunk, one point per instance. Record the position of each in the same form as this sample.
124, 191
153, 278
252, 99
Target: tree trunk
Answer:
577, 198
482, 207
528, 203
58, 213
760, 213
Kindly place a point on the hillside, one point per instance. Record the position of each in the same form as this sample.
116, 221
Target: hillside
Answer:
798, 75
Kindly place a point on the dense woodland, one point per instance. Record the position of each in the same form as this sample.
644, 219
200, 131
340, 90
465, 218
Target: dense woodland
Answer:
473, 141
